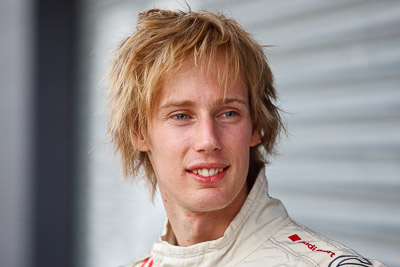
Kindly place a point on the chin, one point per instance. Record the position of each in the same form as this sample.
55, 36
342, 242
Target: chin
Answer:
210, 201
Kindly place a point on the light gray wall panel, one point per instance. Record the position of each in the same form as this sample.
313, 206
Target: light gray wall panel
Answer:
16, 40
337, 68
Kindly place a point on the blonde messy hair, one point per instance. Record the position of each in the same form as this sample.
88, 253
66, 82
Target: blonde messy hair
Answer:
163, 42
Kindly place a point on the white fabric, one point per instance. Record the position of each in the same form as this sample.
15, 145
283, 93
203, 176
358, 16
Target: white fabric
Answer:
262, 234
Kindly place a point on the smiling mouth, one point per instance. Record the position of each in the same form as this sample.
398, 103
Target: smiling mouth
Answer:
207, 172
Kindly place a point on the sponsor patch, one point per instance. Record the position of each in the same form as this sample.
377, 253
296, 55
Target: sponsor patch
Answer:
350, 260
295, 238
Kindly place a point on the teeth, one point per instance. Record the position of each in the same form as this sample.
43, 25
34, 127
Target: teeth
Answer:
211, 172
207, 172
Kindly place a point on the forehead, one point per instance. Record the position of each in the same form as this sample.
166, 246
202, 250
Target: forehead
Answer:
193, 81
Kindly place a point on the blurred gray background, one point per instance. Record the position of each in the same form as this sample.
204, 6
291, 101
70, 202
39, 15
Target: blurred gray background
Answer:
63, 201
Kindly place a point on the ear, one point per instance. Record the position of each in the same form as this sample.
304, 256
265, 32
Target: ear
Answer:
255, 136
140, 142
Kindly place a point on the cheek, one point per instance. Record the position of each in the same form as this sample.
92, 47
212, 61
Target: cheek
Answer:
244, 136
168, 147
238, 139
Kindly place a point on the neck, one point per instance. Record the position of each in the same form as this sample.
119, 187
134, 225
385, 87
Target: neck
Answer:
195, 227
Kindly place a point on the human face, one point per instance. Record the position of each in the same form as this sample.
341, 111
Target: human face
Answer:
199, 142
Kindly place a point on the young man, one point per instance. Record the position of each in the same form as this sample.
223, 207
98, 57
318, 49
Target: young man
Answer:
192, 102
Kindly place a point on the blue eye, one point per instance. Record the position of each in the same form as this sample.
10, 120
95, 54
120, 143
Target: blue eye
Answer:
180, 116
230, 114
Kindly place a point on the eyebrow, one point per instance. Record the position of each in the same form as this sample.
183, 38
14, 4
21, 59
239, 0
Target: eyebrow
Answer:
231, 100
188, 103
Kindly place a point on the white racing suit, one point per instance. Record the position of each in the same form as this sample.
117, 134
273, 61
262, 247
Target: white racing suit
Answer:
262, 234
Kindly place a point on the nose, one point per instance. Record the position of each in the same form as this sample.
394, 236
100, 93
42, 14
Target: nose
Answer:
207, 136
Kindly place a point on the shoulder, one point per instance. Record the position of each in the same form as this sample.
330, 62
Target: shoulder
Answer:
313, 249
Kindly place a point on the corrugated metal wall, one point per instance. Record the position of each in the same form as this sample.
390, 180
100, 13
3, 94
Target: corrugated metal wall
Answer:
337, 68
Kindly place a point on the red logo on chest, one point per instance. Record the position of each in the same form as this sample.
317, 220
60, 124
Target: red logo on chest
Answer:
312, 247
